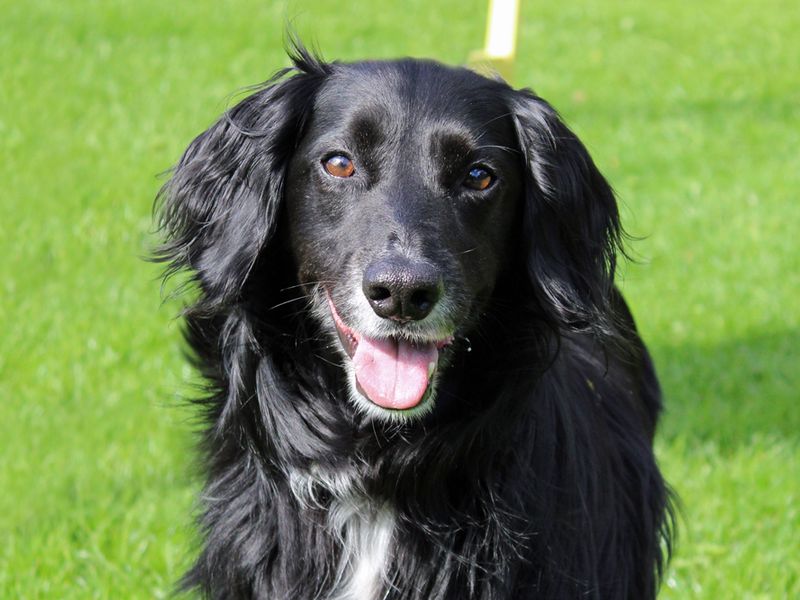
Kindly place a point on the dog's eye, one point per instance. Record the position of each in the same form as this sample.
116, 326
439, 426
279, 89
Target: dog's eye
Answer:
339, 166
479, 178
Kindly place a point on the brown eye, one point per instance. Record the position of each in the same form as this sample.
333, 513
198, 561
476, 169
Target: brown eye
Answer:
339, 166
479, 179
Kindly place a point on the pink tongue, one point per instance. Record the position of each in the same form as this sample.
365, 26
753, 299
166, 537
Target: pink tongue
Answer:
394, 373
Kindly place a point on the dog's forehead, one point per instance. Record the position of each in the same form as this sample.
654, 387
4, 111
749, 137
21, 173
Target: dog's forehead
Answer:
408, 94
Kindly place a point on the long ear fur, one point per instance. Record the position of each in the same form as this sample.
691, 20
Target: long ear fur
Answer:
571, 223
221, 206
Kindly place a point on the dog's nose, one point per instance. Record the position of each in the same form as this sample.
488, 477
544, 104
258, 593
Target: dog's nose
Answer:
401, 289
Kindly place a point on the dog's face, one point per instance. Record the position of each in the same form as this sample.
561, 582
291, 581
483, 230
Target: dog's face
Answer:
406, 188
402, 198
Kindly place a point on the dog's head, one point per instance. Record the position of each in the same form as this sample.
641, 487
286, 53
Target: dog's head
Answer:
401, 197
400, 193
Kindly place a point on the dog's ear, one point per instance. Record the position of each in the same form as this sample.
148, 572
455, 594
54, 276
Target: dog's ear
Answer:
220, 207
571, 223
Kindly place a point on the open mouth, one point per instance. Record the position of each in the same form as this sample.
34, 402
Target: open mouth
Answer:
393, 373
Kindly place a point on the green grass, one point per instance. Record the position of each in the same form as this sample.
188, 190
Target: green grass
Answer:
691, 109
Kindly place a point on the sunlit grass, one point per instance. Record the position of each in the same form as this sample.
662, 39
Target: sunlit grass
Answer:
691, 109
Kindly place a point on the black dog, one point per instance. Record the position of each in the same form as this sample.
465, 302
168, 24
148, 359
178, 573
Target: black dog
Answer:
423, 382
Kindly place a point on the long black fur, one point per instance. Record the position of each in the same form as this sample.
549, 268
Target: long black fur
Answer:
534, 477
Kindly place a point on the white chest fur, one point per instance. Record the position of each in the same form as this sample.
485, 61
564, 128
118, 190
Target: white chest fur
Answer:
365, 532
367, 542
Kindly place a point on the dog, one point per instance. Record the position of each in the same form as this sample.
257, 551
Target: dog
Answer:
422, 380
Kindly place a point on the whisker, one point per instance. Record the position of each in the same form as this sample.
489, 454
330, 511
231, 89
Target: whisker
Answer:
499, 147
329, 362
289, 301
307, 283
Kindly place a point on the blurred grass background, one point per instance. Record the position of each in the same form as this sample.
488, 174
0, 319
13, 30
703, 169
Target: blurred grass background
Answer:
691, 109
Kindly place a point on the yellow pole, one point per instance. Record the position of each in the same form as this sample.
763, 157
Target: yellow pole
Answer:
499, 51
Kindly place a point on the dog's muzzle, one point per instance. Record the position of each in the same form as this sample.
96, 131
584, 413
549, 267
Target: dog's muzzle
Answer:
393, 372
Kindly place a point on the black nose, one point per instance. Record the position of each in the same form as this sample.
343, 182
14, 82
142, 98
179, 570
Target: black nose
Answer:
400, 289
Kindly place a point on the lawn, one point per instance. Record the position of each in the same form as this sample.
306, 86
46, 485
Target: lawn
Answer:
691, 109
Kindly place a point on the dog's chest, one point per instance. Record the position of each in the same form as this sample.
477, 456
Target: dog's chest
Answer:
363, 530
366, 539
